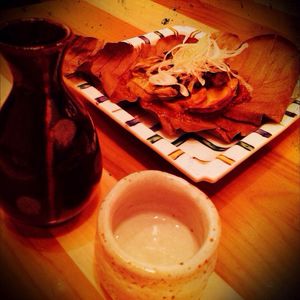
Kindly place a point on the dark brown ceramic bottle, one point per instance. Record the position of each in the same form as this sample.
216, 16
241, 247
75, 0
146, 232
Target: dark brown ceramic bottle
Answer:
49, 152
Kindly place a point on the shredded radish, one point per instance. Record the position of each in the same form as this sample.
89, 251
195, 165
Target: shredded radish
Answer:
196, 59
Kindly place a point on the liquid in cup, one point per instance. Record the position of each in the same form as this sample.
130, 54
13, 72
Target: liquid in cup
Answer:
157, 238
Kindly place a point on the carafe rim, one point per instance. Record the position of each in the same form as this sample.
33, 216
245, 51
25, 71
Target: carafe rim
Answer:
60, 42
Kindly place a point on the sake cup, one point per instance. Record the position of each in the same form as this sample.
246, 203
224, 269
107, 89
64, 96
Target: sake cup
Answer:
157, 238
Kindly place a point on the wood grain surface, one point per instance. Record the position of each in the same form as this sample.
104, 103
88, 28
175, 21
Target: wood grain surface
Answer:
258, 202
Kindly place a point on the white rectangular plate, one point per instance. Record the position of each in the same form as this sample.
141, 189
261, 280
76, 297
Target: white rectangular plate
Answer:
198, 156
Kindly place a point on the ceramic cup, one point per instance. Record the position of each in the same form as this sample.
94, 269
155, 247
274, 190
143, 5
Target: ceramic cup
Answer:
157, 238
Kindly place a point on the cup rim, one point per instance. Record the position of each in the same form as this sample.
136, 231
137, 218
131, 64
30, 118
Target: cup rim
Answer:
59, 43
121, 258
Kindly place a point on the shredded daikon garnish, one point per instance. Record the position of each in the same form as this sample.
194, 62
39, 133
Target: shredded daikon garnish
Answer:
195, 59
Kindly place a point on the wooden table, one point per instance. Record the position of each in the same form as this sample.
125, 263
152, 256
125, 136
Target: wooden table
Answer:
259, 202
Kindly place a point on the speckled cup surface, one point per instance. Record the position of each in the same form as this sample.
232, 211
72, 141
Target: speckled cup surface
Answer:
125, 275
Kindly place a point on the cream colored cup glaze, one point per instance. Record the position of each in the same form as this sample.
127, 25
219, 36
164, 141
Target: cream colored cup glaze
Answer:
123, 276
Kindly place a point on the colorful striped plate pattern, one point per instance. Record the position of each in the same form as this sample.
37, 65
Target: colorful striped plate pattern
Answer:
198, 156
